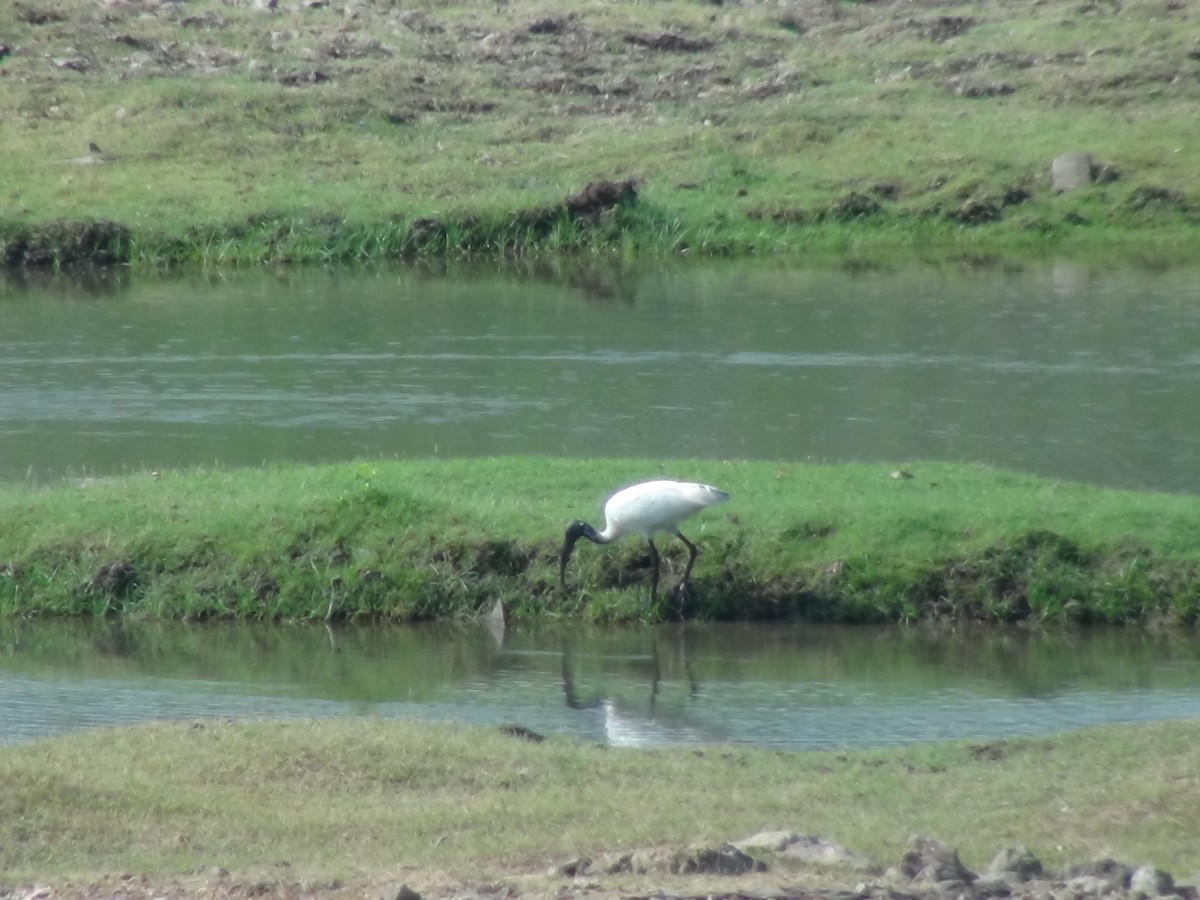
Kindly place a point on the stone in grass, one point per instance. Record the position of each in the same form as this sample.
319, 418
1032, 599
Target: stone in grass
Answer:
929, 863
399, 892
572, 868
1151, 882
1071, 171
1014, 862
1110, 871
725, 859
805, 848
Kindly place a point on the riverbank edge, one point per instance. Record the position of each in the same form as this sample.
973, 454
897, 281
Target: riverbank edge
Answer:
411, 541
603, 217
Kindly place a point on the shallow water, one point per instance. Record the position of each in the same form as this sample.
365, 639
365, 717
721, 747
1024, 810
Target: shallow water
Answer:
777, 686
1052, 368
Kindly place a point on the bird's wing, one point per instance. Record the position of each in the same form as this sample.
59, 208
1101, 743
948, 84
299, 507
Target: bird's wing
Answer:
659, 505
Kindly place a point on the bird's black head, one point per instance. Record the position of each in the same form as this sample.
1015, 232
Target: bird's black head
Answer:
575, 531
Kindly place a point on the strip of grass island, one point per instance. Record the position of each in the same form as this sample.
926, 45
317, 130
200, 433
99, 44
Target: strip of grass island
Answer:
421, 540
256, 131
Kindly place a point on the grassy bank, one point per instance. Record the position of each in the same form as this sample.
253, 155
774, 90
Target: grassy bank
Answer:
445, 539
230, 132
404, 799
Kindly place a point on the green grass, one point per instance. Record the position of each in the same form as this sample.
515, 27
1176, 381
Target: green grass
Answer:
345, 798
444, 539
316, 136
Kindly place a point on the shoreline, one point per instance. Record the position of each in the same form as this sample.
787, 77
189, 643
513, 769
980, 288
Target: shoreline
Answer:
616, 228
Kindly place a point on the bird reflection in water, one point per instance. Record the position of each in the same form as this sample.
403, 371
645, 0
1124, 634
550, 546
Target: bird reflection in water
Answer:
644, 718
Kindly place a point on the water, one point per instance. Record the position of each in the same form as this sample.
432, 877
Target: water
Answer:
1053, 369
779, 686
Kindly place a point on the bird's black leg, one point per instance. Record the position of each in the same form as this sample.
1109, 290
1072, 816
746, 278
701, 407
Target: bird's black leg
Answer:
691, 559
654, 563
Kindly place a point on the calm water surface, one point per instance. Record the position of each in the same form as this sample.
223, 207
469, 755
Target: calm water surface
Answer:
779, 686
1053, 369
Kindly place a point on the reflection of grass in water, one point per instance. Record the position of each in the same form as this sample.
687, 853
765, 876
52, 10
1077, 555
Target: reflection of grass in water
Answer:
381, 664
350, 797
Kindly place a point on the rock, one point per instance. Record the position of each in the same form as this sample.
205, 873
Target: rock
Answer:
643, 862
638, 862
1016, 861
495, 622
814, 849
1151, 881
725, 859
399, 892
1108, 869
931, 863
1070, 171
771, 841
572, 868
614, 863
74, 63
1002, 885
804, 847
1089, 886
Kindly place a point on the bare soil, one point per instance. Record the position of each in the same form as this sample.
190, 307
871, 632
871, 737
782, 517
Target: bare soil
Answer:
541, 885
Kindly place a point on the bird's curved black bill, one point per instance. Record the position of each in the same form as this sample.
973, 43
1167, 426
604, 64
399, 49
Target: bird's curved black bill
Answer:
575, 531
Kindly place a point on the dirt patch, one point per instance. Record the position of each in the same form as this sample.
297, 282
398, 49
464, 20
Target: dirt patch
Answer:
554, 879
943, 28
586, 209
674, 43
115, 580
38, 16
62, 243
504, 558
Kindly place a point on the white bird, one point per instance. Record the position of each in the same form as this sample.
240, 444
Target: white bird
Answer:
646, 509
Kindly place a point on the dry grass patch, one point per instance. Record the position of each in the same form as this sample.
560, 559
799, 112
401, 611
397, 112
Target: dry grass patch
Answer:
367, 797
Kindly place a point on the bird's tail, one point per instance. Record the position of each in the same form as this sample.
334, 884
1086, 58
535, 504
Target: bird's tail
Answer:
706, 494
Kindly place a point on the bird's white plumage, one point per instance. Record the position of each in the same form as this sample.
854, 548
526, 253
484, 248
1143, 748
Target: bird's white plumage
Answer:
653, 506
646, 509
